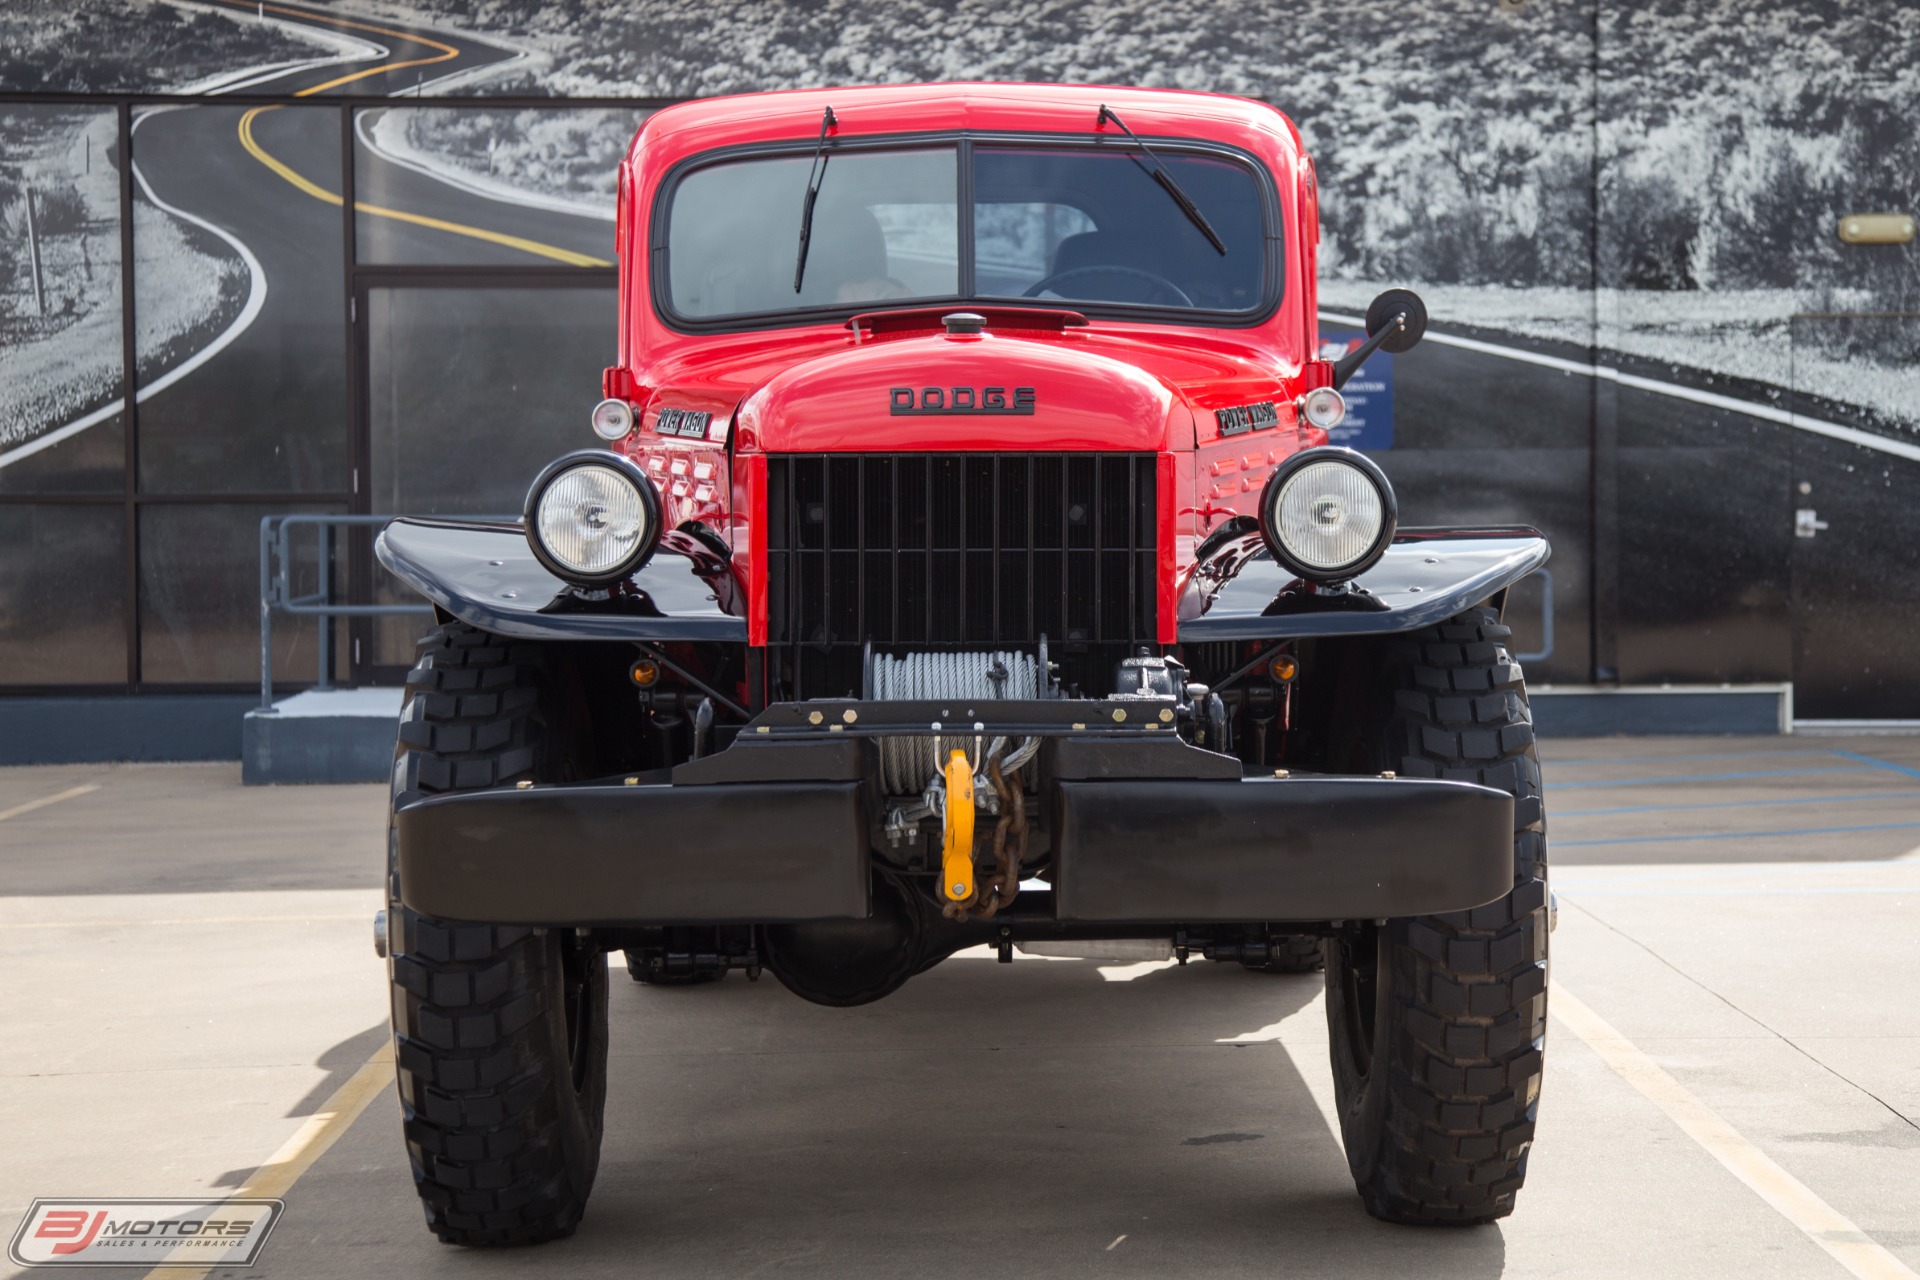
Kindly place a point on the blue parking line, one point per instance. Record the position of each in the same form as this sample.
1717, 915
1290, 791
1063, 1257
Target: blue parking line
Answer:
1710, 755
1705, 777
1735, 835
1877, 763
1574, 895
1736, 804
1568, 878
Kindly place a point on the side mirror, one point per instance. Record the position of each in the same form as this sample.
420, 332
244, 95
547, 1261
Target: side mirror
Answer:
1396, 321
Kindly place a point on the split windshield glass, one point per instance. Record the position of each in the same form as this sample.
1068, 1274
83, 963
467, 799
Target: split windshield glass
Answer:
1081, 226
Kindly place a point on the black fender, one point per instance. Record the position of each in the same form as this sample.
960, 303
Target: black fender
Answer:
1238, 592
486, 574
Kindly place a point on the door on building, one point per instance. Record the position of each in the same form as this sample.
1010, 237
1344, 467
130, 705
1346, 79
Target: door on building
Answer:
469, 384
1856, 514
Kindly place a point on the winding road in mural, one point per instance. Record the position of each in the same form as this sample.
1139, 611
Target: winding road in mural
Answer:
264, 186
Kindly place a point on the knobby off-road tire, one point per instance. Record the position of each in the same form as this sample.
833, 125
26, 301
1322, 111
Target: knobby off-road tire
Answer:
1291, 953
500, 1031
1438, 1023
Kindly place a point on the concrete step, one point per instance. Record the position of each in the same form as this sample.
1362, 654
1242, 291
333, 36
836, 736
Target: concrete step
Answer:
333, 735
1599, 711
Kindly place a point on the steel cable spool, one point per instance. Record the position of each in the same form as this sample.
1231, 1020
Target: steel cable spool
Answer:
906, 763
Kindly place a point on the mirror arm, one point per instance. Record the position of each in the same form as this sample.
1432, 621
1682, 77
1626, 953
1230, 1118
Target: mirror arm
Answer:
1350, 363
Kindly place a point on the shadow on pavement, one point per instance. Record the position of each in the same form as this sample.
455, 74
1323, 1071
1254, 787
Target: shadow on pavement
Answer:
1035, 1120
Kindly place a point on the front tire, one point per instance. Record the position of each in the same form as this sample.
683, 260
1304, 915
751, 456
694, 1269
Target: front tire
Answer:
1437, 1024
500, 1031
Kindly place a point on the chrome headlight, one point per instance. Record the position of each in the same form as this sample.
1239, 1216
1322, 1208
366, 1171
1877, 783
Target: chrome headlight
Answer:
592, 517
1328, 513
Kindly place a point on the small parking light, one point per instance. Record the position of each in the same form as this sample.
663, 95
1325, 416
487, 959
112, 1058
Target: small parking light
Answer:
612, 419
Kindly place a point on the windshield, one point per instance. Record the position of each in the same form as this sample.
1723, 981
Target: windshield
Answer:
1076, 225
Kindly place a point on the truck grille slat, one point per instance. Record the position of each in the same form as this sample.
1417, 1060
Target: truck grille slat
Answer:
924, 551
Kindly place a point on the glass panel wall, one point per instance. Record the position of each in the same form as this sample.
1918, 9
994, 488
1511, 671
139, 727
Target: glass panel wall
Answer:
200, 596
470, 391
508, 186
62, 601
61, 426
239, 273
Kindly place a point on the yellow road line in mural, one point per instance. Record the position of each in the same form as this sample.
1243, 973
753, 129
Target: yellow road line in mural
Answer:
319, 192
447, 52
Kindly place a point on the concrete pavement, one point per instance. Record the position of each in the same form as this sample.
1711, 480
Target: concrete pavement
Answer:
186, 973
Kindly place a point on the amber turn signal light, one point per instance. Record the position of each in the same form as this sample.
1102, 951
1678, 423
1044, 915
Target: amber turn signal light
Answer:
645, 673
1283, 668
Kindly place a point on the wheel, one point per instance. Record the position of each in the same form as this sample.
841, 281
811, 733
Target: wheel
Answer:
1291, 953
500, 1031
1437, 1024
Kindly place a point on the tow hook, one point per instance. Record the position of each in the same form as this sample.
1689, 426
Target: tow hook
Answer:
956, 850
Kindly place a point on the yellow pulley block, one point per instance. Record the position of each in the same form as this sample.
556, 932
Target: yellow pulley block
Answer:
956, 851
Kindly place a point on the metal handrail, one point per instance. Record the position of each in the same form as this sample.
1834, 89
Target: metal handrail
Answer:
1546, 618
276, 590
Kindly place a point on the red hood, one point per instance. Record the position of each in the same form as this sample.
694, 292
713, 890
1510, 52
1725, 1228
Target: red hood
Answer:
980, 391
1122, 389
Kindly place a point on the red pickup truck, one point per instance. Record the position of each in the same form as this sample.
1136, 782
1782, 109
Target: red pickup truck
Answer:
963, 562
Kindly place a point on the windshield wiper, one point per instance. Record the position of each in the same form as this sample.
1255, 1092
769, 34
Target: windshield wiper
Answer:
1160, 175
814, 177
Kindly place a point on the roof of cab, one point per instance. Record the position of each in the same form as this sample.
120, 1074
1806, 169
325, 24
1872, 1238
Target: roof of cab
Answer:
707, 123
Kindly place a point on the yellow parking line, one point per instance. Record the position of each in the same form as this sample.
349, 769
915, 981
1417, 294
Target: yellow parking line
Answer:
319, 192
44, 801
309, 1142
1822, 1223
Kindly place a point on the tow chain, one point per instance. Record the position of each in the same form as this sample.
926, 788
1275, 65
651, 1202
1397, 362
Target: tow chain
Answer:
1000, 889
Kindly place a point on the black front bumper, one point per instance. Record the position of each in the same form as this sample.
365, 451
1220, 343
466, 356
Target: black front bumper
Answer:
780, 827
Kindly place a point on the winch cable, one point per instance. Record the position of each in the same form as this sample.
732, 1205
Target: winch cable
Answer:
907, 762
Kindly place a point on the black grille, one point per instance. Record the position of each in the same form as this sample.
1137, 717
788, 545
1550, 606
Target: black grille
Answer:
924, 551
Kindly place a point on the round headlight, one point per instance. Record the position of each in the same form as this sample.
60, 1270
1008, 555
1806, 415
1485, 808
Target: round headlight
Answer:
1323, 407
1328, 513
592, 517
612, 419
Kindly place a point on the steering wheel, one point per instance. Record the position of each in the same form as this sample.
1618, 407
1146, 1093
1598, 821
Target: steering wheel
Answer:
1159, 284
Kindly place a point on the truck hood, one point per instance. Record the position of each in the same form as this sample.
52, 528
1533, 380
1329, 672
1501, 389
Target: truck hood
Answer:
957, 392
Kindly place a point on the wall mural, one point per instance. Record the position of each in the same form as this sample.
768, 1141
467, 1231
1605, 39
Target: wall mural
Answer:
1622, 216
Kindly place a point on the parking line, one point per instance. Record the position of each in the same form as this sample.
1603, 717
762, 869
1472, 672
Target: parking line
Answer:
1877, 763
1675, 779
1686, 755
1851, 1247
1736, 804
1762, 891
309, 1142
44, 801
1736, 835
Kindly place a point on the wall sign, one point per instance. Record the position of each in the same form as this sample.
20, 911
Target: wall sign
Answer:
1369, 393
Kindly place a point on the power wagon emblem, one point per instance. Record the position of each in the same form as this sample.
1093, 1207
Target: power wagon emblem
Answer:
907, 400
1247, 417
690, 423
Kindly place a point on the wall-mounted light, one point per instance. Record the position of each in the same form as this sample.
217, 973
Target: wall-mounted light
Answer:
1877, 228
